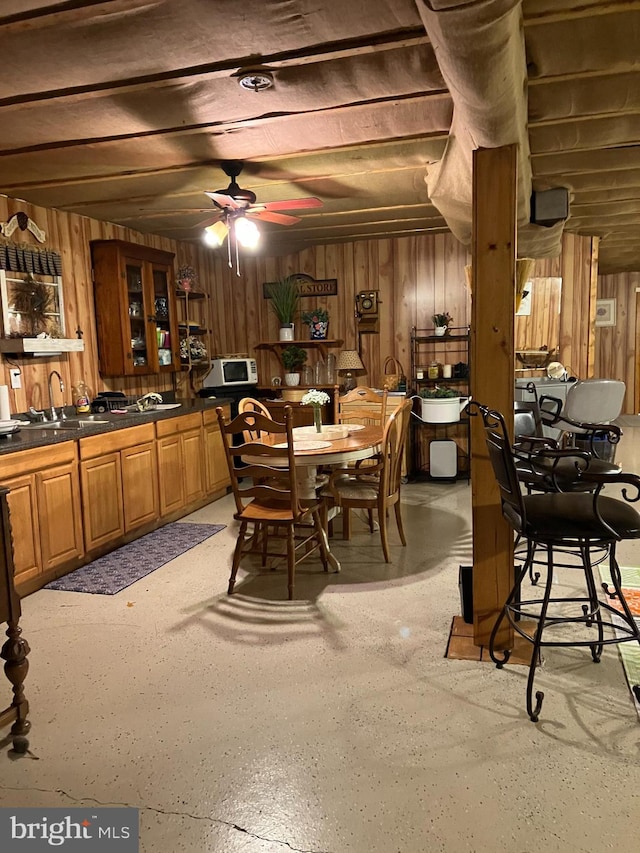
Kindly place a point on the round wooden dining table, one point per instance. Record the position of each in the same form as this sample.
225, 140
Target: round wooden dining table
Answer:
359, 444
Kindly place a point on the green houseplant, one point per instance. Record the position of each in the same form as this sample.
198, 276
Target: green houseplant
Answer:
293, 357
284, 296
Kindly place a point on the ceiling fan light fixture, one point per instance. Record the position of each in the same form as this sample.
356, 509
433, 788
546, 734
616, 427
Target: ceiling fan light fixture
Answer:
255, 81
246, 232
214, 234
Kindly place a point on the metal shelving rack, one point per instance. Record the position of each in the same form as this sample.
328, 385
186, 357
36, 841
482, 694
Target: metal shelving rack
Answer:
427, 347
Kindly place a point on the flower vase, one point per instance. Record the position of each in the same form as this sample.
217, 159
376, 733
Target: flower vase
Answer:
319, 330
440, 331
317, 418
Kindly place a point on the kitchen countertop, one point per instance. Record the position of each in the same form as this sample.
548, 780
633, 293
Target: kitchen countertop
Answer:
30, 437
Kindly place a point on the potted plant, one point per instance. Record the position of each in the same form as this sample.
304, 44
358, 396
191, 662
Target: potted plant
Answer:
284, 298
318, 322
441, 322
293, 358
442, 405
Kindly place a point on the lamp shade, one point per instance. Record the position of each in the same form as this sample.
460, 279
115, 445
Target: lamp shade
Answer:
349, 359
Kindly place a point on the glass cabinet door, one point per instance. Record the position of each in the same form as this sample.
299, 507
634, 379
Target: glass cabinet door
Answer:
162, 313
137, 314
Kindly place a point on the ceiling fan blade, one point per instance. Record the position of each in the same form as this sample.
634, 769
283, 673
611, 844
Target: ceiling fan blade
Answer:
293, 204
225, 201
272, 216
208, 221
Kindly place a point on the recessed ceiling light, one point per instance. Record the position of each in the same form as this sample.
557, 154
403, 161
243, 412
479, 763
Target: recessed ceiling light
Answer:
256, 81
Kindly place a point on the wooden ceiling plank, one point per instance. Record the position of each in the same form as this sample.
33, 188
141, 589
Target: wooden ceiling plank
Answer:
581, 12
229, 67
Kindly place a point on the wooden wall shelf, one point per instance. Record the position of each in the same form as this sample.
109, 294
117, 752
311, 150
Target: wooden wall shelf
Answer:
322, 344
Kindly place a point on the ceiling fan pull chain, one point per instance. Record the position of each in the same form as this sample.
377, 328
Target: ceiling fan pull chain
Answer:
235, 242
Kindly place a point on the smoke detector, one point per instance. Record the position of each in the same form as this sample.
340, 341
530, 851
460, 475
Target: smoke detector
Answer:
256, 81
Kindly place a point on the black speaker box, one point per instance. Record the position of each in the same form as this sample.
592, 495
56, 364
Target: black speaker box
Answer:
549, 206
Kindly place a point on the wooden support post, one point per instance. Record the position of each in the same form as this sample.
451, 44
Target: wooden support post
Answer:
492, 357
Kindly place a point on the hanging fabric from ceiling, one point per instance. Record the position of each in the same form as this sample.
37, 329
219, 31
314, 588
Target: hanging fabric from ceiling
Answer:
480, 49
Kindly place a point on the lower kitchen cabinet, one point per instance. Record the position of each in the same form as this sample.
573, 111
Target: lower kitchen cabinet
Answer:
119, 474
216, 469
141, 503
102, 500
180, 456
71, 501
44, 506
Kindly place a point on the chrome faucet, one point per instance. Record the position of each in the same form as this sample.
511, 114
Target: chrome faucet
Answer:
53, 415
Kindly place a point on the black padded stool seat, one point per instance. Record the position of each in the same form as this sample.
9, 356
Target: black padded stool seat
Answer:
560, 516
580, 522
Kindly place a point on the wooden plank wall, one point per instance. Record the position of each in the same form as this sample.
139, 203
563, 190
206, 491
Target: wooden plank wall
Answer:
415, 276
617, 346
69, 235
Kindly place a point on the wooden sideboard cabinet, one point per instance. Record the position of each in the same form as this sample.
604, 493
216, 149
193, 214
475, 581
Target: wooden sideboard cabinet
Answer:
119, 475
44, 503
180, 461
136, 313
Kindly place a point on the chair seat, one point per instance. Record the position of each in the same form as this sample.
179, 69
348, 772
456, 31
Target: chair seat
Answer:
354, 490
275, 511
565, 515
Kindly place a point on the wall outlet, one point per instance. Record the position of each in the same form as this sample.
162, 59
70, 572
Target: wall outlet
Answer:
16, 379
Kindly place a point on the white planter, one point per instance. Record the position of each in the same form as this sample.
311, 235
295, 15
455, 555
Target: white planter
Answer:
292, 378
286, 332
440, 331
443, 410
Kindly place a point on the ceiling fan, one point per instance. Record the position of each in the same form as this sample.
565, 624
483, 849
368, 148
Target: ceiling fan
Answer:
234, 201
237, 208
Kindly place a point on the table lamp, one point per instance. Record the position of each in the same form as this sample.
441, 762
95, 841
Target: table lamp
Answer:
349, 360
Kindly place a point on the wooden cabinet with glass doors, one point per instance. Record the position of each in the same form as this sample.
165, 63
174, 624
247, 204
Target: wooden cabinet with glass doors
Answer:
136, 313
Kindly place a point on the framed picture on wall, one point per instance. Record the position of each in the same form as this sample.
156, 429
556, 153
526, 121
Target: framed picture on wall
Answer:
605, 312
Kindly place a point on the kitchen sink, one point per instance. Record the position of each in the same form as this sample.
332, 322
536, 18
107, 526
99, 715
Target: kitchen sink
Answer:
69, 423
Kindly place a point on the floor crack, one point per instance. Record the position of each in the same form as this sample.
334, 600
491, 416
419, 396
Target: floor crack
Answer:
212, 820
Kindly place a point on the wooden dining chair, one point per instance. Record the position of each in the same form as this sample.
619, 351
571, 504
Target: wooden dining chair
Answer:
250, 404
376, 486
268, 505
363, 405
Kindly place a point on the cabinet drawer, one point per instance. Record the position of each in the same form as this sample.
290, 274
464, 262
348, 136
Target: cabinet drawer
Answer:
183, 424
109, 442
27, 461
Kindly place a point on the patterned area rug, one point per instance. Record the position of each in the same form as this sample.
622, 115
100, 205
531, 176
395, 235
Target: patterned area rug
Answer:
629, 652
116, 571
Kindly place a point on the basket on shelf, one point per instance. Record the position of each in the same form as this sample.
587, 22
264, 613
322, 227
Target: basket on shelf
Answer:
534, 359
393, 373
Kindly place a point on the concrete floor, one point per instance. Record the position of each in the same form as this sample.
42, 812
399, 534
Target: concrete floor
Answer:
331, 723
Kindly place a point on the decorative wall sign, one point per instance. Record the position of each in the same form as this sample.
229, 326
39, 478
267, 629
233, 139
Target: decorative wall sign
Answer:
605, 312
308, 286
24, 223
